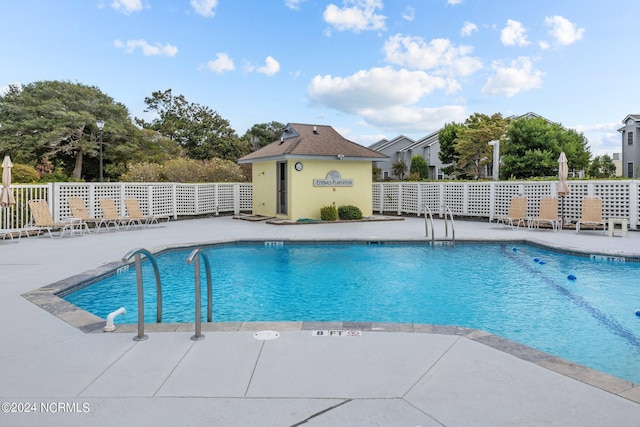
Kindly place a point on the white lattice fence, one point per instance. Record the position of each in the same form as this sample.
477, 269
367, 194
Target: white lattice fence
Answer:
454, 197
226, 197
480, 199
245, 201
186, 199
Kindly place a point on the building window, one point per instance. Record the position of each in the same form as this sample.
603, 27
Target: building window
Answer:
630, 170
630, 138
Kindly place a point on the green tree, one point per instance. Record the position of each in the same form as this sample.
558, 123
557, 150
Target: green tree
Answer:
200, 130
533, 146
262, 134
472, 143
399, 168
57, 120
602, 167
419, 166
608, 168
447, 139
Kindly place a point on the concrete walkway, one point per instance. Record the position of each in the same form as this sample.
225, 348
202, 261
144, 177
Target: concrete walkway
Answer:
54, 374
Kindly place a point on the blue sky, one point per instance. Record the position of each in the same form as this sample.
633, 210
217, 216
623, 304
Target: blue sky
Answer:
372, 69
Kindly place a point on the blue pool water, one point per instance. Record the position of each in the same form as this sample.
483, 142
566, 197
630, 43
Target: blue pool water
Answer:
519, 292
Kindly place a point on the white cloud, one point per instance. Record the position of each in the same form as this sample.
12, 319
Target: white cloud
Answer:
221, 64
384, 97
518, 76
439, 55
468, 28
454, 2
514, 34
373, 89
415, 119
270, 67
409, 14
355, 15
604, 138
563, 31
147, 50
127, 6
294, 4
206, 8
543, 45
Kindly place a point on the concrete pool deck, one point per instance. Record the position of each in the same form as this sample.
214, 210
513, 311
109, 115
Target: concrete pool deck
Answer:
414, 375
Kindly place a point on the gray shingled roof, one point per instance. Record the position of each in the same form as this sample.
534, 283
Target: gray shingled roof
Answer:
303, 140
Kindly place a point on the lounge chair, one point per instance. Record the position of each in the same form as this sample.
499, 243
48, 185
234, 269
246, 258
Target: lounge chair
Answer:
135, 214
517, 213
79, 210
42, 220
111, 214
591, 214
11, 232
548, 214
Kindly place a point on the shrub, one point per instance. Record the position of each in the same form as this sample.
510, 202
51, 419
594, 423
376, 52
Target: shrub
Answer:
349, 212
328, 213
183, 170
142, 172
220, 170
58, 175
24, 174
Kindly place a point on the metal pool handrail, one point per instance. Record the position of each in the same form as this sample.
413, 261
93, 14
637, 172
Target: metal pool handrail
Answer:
426, 225
137, 253
193, 256
446, 228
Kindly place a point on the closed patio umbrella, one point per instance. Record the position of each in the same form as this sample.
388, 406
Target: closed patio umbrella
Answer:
6, 197
563, 187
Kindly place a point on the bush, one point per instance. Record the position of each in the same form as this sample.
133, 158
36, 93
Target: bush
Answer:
183, 170
24, 174
349, 212
220, 170
142, 172
328, 213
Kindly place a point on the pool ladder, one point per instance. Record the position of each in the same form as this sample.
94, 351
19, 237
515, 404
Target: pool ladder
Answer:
137, 253
192, 258
448, 216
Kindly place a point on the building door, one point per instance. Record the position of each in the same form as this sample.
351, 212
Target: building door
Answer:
282, 188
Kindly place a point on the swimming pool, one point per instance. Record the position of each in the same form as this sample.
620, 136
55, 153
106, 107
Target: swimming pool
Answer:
520, 292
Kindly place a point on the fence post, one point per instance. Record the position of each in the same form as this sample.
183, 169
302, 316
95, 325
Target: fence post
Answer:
53, 198
634, 205
492, 200
236, 199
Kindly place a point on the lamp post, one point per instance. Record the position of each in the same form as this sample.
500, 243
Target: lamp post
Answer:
100, 124
496, 158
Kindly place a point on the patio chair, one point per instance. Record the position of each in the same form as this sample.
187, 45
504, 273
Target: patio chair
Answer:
517, 213
111, 214
12, 232
548, 214
79, 210
591, 214
135, 214
42, 220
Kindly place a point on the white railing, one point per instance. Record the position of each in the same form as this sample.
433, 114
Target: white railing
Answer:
173, 199
465, 199
488, 199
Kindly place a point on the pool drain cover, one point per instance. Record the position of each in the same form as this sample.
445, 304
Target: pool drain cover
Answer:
266, 335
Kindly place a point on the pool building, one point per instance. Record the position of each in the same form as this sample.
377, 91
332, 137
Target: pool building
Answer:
308, 167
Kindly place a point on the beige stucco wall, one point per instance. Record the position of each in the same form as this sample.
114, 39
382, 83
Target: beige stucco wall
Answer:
305, 200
